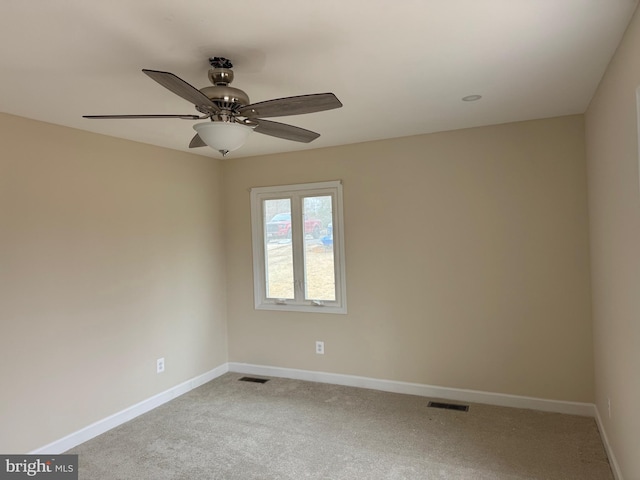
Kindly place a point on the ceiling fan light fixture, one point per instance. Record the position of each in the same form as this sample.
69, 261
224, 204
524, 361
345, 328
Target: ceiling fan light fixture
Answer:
224, 137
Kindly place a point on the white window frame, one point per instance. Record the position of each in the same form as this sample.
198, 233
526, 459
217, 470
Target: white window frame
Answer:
297, 193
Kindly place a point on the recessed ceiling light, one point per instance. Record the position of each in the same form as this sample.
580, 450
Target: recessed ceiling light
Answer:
471, 98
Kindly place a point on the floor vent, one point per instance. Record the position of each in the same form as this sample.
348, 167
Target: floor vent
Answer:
449, 406
254, 379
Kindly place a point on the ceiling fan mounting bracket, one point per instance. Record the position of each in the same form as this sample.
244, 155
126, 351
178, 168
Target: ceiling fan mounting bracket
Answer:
220, 62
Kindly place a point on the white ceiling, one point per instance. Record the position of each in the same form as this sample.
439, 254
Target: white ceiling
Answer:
400, 67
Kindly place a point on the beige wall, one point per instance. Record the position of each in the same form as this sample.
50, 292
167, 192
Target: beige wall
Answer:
614, 211
467, 266
111, 255
467, 262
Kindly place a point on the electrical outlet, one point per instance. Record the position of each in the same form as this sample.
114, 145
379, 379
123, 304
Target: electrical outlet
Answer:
160, 365
320, 348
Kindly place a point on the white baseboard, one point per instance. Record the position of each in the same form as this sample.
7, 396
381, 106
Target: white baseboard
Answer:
112, 421
461, 395
456, 394
615, 468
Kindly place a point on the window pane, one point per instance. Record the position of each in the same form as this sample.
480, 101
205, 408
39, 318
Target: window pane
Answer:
278, 250
319, 269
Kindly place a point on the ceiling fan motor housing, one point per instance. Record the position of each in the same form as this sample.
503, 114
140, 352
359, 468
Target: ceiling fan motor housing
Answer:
221, 75
227, 98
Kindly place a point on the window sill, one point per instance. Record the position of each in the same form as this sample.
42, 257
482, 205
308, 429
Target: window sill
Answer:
334, 309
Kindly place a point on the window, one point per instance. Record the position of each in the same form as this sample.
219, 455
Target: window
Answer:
298, 248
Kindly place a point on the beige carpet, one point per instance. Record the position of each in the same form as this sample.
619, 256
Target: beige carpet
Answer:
290, 429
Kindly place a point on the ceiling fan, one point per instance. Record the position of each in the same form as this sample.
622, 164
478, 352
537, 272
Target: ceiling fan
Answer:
232, 117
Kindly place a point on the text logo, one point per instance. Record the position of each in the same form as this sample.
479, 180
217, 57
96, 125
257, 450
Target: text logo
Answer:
45, 467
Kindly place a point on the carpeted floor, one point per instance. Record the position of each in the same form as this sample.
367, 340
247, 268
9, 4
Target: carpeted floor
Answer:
290, 430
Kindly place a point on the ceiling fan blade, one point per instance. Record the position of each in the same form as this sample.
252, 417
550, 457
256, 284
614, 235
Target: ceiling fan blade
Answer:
282, 130
281, 107
185, 90
184, 117
197, 142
